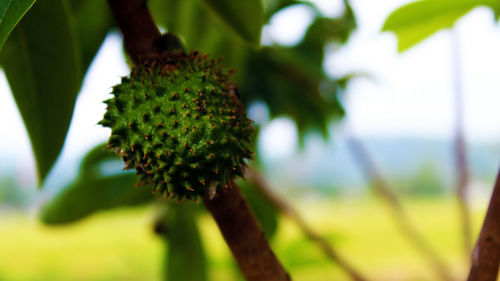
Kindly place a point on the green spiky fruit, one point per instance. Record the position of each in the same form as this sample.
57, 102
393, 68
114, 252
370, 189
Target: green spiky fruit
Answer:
178, 122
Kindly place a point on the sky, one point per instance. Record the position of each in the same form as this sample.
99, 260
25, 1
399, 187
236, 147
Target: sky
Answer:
412, 93
401, 95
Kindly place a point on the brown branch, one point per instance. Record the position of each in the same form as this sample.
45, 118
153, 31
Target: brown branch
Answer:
460, 147
140, 32
401, 218
244, 236
246, 240
486, 255
288, 210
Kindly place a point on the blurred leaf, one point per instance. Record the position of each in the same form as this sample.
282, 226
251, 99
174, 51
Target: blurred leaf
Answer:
42, 65
271, 7
264, 211
200, 31
92, 21
186, 258
291, 80
416, 21
245, 17
301, 254
203, 29
92, 191
323, 31
11, 11
282, 79
172, 14
187, 19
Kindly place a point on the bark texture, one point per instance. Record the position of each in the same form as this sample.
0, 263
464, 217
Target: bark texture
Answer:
140, 32
486, 255
244, 236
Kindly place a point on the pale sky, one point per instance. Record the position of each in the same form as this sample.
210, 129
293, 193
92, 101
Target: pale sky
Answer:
412, 93
408, 94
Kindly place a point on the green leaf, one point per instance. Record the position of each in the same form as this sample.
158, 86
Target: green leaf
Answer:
291, 84
186, 259
92, 20
271, 7
189, 20
292, 80
11, 11
172, 14
414, 22
95, 191
245, 17
42, 65
200, 31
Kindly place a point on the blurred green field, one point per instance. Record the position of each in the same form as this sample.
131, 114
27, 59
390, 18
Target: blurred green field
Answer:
120, 245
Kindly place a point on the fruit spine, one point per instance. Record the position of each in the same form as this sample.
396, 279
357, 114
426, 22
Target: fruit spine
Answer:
178, 122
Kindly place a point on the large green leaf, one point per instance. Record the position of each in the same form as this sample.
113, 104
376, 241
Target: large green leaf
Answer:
42, 64
95, 191
92, 21
11, 11
245, 17
418, 20
186, 259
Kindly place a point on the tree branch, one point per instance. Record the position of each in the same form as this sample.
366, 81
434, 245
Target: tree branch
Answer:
460, 146
283, 206
486, 254
140, 32
245, 238
399, 214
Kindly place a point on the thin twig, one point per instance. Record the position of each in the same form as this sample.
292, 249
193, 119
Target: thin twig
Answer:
460, 146
287, 209
244, 236
486, 254
401, 218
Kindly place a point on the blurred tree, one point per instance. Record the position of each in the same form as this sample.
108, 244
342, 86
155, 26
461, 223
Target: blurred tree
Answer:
12, 194
425, 182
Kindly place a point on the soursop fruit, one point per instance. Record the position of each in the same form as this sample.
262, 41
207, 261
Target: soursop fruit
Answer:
178, 122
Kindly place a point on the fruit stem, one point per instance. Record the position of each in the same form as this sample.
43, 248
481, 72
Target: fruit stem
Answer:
140, 33
244, 236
